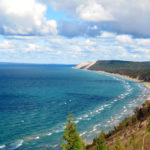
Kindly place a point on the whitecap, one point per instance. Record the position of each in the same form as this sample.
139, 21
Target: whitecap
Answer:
2, 146
77, 121
57, 131
125, 110
99, 109
80, 118
85, 116
83, 133
49, 134
115, 100
37, 138
14, 145
95, 127
53, 146
91, 112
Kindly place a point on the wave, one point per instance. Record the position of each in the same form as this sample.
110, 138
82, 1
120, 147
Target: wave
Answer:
126, 109
2, 146
12, 146
113, 120
98, 110
54, 146
49, 134
110, 122
89, 115
83, 133
37, 137
95, 127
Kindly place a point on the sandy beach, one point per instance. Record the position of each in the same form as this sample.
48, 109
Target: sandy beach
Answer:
147, 84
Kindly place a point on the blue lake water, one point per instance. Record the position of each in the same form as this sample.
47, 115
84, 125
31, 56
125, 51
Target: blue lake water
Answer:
36, 99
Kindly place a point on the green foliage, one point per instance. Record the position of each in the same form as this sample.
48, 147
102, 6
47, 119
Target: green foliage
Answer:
139, 115
119, 145
71, 138
148, 125
100, 142
132, 142
133, 138
140, 70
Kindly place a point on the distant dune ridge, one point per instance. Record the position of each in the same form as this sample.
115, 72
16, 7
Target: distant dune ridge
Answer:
136, 70
84, 65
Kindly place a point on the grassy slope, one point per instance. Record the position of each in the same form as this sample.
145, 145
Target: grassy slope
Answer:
135, 125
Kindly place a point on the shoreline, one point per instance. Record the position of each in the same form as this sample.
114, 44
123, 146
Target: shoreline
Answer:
147, 84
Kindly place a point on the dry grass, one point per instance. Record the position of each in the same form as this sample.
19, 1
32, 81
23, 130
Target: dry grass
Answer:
131, 133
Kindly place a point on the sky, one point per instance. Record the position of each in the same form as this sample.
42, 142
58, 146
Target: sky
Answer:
74, 31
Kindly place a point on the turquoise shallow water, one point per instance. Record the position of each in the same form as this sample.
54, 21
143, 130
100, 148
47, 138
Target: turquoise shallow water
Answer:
36, 99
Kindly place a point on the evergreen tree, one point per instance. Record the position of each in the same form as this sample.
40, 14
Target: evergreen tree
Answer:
100, 142
71, 138
119, 145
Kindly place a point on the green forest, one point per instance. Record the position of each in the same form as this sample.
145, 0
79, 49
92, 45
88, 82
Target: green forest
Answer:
138, 70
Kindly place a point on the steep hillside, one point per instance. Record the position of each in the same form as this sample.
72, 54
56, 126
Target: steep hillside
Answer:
132, 131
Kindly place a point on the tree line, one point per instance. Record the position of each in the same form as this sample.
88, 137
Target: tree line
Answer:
139, 70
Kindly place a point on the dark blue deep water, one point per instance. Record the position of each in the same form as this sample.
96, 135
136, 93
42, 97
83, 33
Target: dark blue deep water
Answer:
36, 99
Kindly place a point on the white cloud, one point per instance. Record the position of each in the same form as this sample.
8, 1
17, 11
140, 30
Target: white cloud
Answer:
143, 42
30, 48
7, 46
25, 17
145, 51
93, 12
129, 17
124, 38
59, 49
105, 34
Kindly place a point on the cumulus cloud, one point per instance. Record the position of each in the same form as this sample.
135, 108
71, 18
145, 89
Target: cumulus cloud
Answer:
24, 17
7, 47
105, 34
93, 12
30, 48
122, 16
124, 38
59, 49
94, 29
